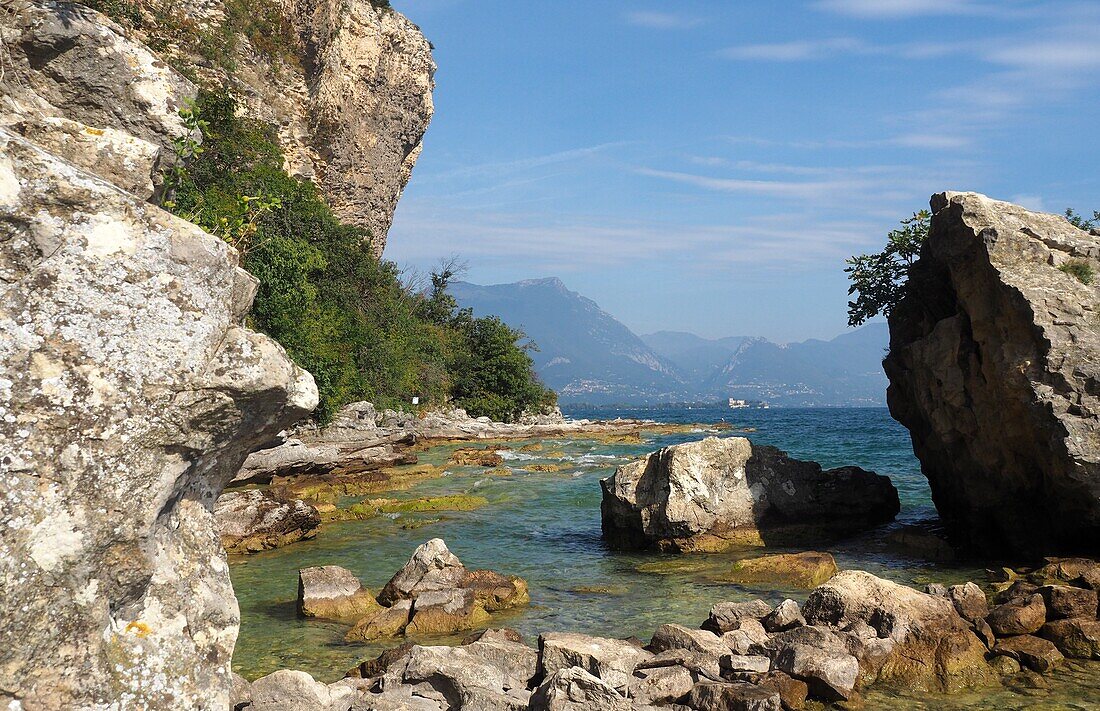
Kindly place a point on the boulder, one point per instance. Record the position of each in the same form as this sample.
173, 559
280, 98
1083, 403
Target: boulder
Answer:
993, 352
733, 696
1021, 616
454, 672
518, 661
726, 616
1080, 572
792, 692
785, 616
287, 690
494, 591
679, 637
574, 689
254, 520
932, 646
717, 493
130, 392
611, 660
741, 663
446, 611
830, 675
748, 634
379, 665
386, 622
1077, 638
332, 592
661, 685
1036, 653
969, 601
1064, 601
431, 567
804, 571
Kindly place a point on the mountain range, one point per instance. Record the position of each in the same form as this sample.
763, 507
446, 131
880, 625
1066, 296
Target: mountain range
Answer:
588, 356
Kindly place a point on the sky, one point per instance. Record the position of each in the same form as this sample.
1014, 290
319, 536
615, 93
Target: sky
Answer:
707, 166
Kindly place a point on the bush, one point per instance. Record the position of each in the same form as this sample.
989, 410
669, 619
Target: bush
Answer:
1080, 269
340, 312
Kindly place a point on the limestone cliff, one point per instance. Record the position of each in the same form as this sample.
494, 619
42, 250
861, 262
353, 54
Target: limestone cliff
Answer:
346, 83
994, 367
130, 391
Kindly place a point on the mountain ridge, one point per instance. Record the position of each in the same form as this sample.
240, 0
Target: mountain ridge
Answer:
589, 356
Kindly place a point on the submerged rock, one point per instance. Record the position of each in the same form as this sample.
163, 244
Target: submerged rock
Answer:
790, 570
717, 493
255, 520
993, 355
130, 393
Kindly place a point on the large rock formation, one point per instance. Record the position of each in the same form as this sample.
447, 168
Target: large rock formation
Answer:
76, 85
717, 493
994, 363
130, 393
347, 85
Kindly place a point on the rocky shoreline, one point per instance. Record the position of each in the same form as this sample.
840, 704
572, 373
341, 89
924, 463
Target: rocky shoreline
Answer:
853, 632
306, 470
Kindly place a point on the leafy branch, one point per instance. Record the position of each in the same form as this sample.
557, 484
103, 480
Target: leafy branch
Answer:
878, 280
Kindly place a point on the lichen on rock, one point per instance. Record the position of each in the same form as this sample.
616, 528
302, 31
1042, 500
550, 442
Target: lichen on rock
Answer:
130, 393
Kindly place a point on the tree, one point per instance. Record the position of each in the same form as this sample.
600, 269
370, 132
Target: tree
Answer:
879, 279
1080, 222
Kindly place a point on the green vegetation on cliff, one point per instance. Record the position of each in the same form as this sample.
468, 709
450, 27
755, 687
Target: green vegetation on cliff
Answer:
878, 280
340, 312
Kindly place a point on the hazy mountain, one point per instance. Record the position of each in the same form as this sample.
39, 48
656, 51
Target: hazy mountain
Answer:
588, 356
584, 353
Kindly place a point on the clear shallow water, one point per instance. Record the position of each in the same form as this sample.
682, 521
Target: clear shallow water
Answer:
545, 527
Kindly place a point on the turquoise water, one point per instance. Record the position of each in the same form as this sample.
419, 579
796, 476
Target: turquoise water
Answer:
545, 527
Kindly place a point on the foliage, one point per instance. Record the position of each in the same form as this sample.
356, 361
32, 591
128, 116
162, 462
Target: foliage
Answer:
262, 23
879, 279
1081, 222
1080, 269
340, 312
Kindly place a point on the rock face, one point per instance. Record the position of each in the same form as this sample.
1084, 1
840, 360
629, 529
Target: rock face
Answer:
77, 86
925, 643
993, 357
346, 84
130, 393
715, 493
254, 520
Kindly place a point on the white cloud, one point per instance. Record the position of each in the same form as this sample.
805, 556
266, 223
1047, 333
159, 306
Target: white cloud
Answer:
796, 190
661, 20
794, 51
891, 9
1031, 202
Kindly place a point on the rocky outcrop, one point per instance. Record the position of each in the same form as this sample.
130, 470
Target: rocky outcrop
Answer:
861, 629
254, 520
994, 356
334, 593
361, 439
347, 85
918, 640
130, 393
75, 84
434, 593
716, 493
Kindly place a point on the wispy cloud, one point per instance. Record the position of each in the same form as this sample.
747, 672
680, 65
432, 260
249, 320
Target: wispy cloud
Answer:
892, 9
796, 190
498, 168
798, 51
661, 20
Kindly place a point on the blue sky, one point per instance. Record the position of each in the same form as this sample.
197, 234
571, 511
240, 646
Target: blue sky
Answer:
707, 166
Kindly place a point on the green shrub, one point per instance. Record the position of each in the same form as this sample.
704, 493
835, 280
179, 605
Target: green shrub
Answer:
1079, 269
340, 312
